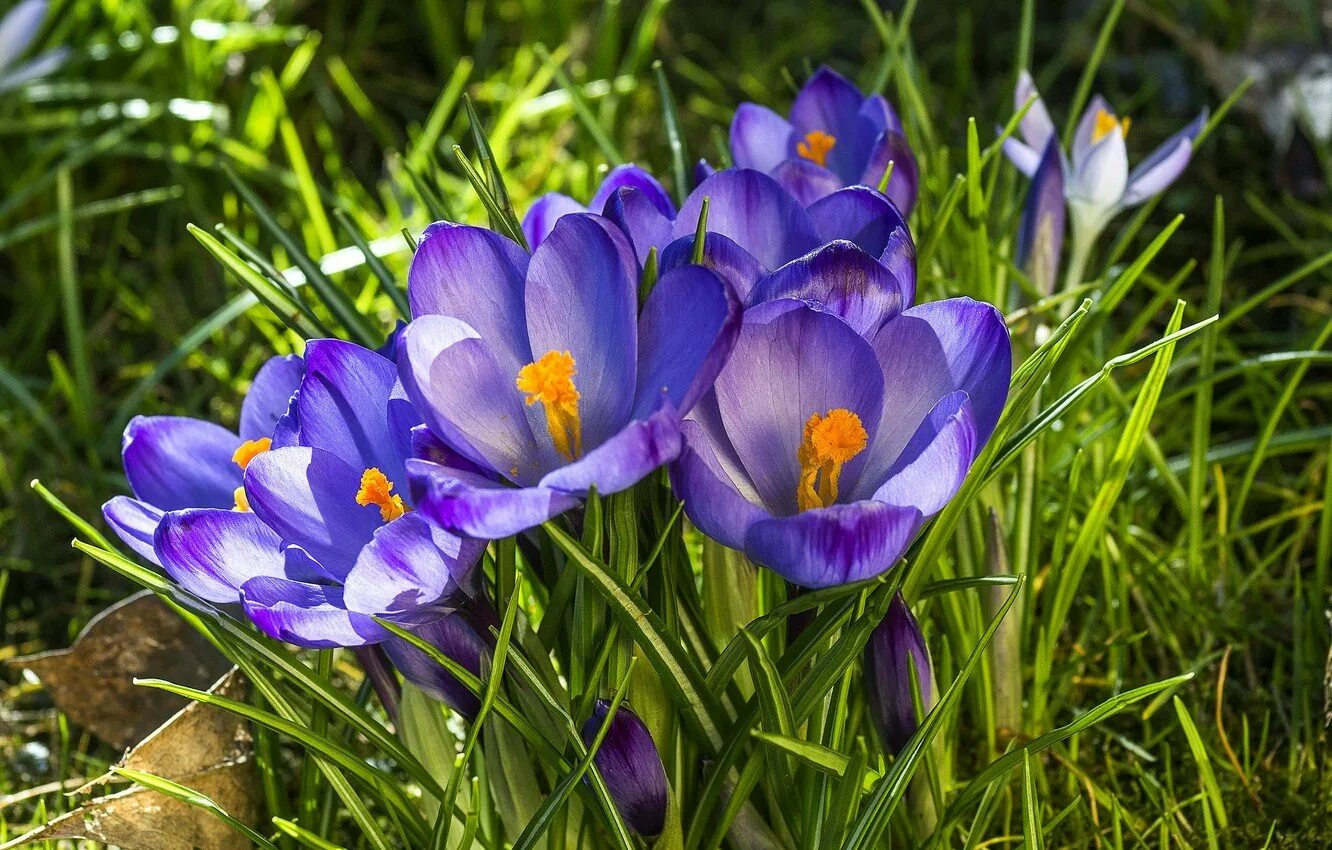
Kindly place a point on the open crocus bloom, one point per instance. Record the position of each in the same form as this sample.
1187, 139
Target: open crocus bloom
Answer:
543, 373
547, 209
836, 137
324, 541
1095, 173
755, 226
838, 425
174, 462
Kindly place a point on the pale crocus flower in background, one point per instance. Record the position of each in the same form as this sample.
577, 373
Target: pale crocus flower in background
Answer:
18, 28
1097, 183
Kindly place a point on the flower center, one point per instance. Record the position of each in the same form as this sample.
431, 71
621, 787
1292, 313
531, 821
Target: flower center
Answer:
376, 489
550, 381
831, 439
816, 146
246, 452
1106, 123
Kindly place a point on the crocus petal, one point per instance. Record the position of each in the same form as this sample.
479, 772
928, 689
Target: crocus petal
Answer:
1025, 159
308, 496
426, 445
631, 767
270, 395
712, 499
735, 265
1155, 173
859, 214
544, 212
175, 462
1082, 136
135, 523
685, 333
844, 281
828, 102
632, 176
351, 404
640, 219
582, 297
904, 184
18, 28
1036, 127
1041, 236
760, 138
475, 506
895, 647
309, 615
937, 459
806, 181
703, 170
785, 368
879, 113
452, 636
755, 212
926, 353
476, 275
624, 459
468, 398
1099, 180
829, 546
41, 65
212, 552
899, 258
410, 565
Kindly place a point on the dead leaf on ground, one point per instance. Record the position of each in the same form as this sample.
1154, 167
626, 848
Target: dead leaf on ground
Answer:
93, 680
202, 747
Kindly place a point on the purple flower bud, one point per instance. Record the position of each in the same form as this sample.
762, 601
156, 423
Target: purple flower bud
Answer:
631, 766
456, 638
893, 647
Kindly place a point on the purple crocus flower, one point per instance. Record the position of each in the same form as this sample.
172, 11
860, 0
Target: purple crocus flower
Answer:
18, 29
174, 462
836, 137
755, 226
842, 420
1041, 235
547, 209
896, 645
629, 763
1097, 182
542, 372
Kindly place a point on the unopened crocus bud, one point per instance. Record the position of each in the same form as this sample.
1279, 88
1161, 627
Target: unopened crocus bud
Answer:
457, 639
893, 647
629, 763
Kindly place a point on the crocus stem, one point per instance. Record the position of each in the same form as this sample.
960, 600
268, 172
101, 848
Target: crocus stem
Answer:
381, 678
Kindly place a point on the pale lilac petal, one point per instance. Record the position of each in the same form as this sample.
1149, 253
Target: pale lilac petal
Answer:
475, 506
1024, 158
1082, 136
622, 461
212, 552
308, 615
937, 459
712, 500
410, 570
544, 212
1099, 180
1155, 174
135, 523
18, 28
760, 138
1036, 127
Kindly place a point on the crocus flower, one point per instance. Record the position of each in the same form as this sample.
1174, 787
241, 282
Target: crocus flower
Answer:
842, 419
629, 763
174, 462
895, 646
836, 137
547, 209
321, 540
543, 373
18, 28
1097, 182
755, 226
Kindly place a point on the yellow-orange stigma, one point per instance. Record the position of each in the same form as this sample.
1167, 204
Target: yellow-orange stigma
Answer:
376, 489
242, 501
549, 380
830, 440
249, 450
816, 146
1106, 123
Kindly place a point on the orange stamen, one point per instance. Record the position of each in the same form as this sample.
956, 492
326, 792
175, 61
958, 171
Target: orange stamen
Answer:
376, 489
549, 380
816, 146
829, 441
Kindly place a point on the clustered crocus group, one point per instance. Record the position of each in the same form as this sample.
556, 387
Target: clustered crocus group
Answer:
811, 413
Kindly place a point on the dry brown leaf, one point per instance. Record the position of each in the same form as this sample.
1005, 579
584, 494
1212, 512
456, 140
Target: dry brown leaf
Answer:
202, 747
93, 680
